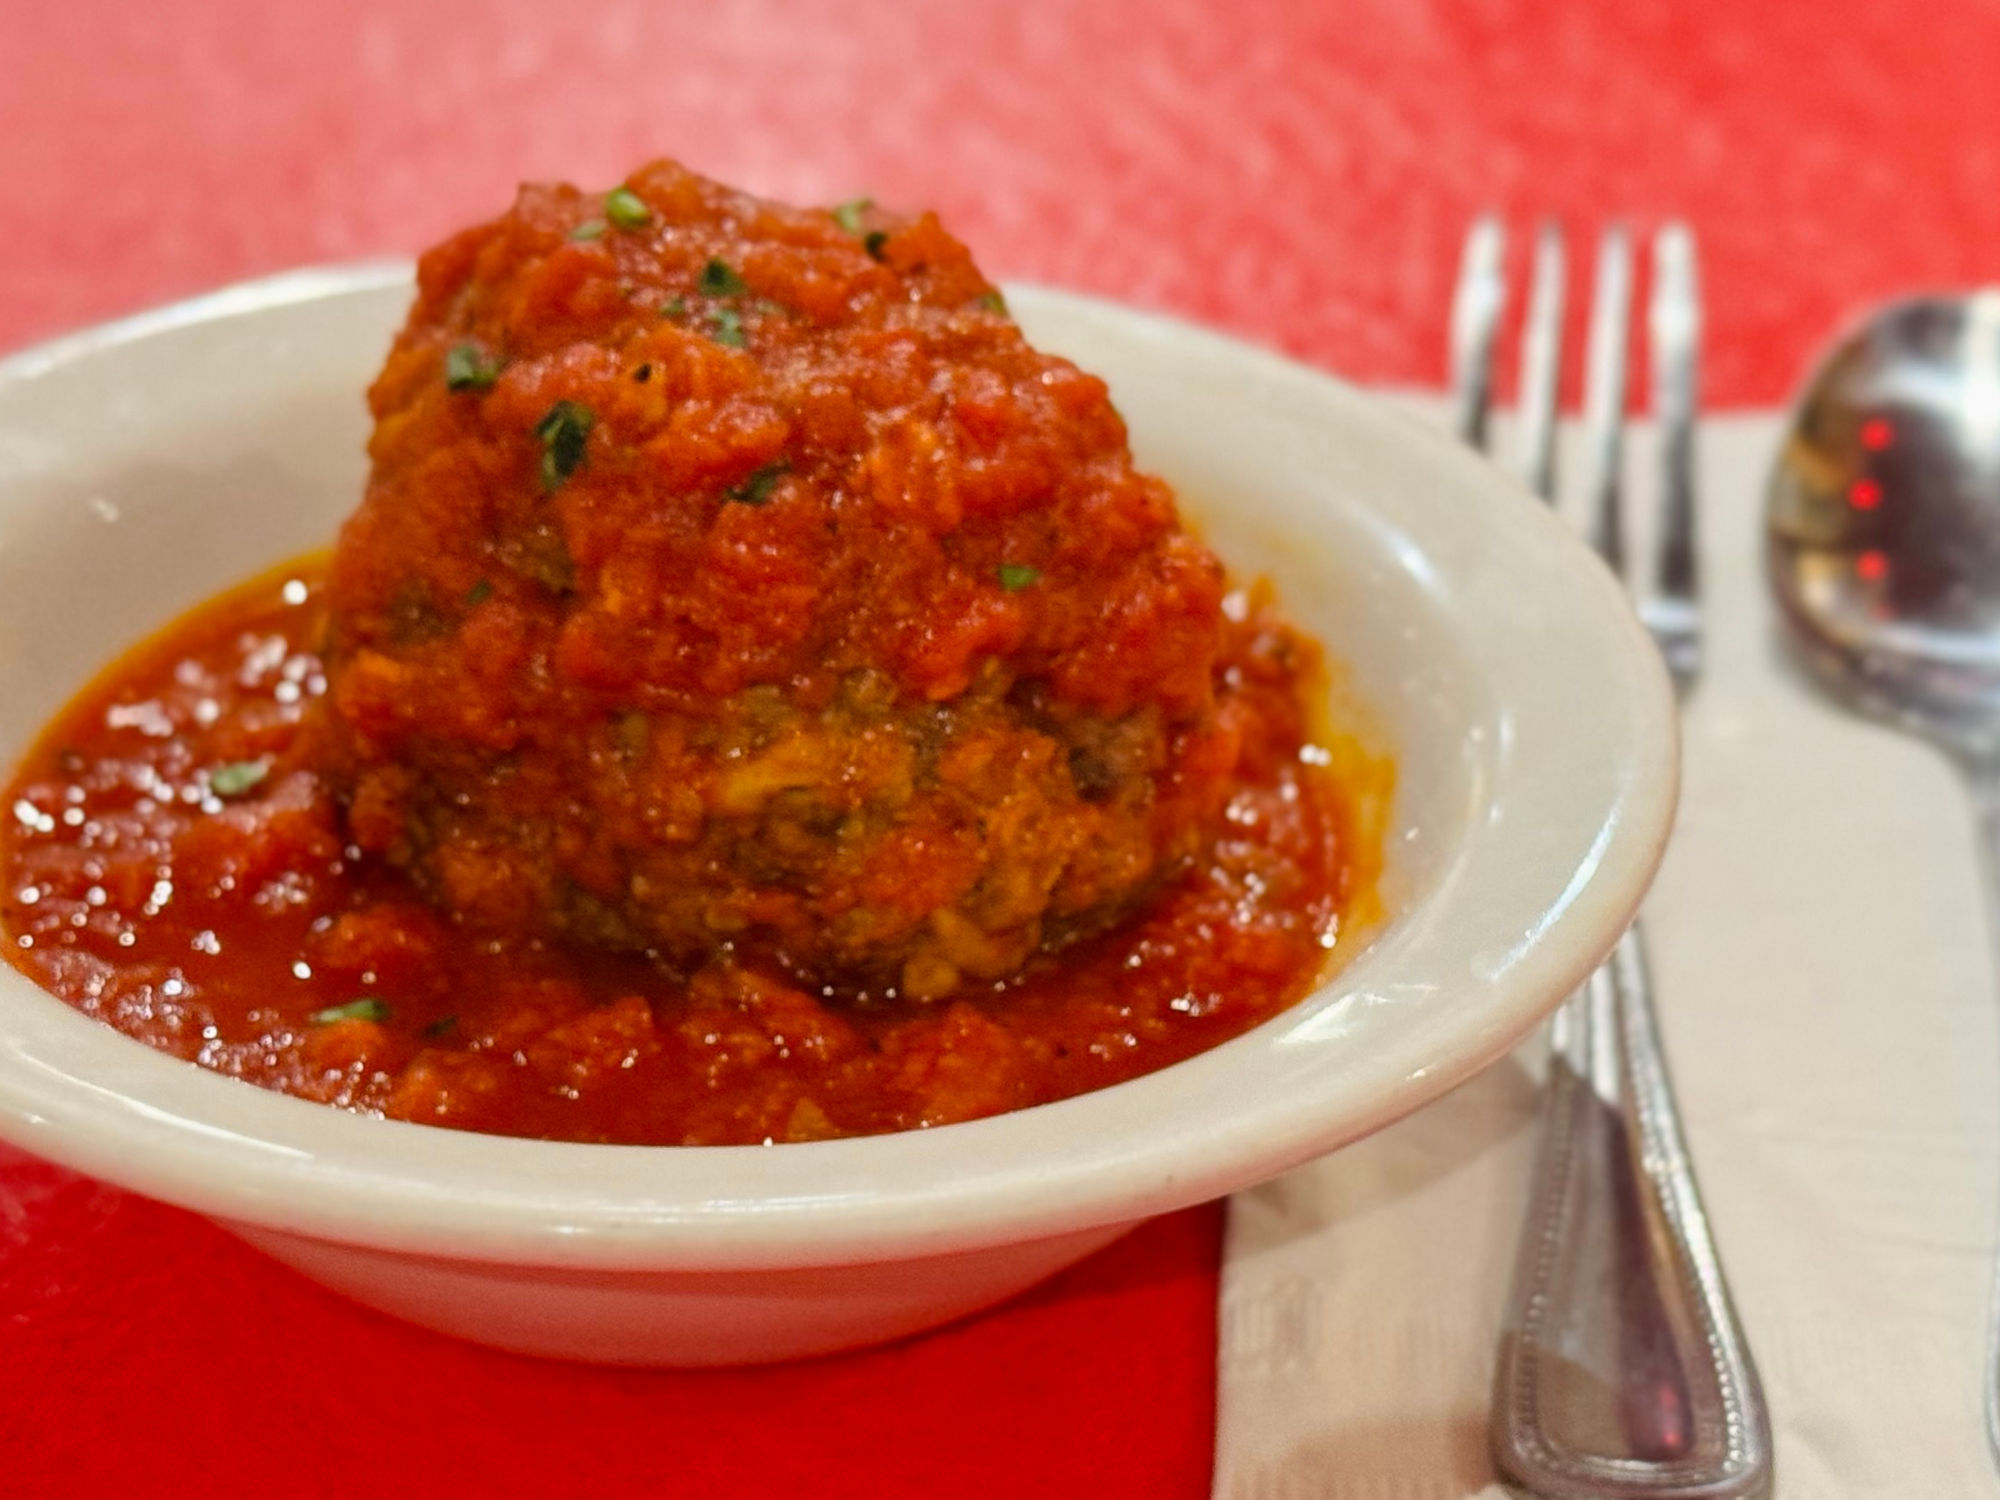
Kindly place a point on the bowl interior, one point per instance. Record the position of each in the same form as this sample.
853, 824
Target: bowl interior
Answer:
155, 462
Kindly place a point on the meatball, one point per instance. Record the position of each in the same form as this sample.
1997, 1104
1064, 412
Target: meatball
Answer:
735, 579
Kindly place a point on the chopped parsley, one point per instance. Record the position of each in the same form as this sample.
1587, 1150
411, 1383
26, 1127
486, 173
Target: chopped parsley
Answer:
719, 280
442, 1026
467, 367
756, 490
589, 229
366, 1008
562, 434
848, 215
874, 243
480, 592
1016, 576
626, 209
236, 778
993, 302
728, 327
675, 309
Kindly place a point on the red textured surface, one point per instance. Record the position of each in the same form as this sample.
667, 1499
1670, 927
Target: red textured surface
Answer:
1295, 171
145, 1353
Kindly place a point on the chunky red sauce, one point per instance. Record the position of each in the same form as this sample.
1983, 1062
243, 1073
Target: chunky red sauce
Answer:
756, 698
174, 866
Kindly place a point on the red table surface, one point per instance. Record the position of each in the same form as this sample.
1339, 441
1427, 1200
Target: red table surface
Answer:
1297, 171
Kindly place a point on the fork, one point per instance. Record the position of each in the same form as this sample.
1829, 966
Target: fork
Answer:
1623, 1371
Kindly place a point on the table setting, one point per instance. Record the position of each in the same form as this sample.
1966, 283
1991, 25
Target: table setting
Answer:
1369, 195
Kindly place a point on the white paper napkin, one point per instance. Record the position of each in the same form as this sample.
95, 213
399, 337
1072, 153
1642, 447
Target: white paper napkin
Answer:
1822, 964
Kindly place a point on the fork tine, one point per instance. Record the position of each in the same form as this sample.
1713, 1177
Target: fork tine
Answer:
1675, 336
1476, 306
1604, 393
1541, 364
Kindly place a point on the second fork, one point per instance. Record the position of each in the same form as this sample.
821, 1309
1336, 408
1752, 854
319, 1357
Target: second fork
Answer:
1623, 1371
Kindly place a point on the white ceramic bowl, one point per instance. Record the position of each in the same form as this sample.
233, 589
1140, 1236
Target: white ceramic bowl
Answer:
146, 465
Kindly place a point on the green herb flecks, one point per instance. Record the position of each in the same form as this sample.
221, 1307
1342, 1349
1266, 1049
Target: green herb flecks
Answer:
718, 279
993, 302
875, 242
236, 778
562, 434
366, 1008
1016, 576
589, 229
627, 209
442, 1026
467, 367
480, 592
726, 327
756, 490
848, 215
675, 309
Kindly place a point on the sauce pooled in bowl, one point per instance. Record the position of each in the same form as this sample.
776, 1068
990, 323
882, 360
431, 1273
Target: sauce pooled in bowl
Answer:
757, 699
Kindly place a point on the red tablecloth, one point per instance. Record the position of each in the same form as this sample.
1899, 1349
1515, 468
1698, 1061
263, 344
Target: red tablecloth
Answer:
1296, 171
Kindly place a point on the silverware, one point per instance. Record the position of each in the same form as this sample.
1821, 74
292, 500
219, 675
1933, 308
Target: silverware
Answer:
1883, 542
1623, 1371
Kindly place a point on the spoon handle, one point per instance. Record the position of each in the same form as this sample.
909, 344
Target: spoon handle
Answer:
1982, 774
1623, 1370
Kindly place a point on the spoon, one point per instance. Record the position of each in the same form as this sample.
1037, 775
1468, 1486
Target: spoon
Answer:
1882, 526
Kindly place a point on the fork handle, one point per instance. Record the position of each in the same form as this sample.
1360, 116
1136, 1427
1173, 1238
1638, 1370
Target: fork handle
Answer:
1624, 1374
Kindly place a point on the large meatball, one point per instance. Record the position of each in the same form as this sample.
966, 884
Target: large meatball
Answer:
735, 578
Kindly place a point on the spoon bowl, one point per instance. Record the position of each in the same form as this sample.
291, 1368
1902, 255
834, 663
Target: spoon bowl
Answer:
1884, 519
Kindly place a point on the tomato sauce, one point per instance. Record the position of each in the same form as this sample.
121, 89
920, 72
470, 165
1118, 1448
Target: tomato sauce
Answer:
757, 698
175, 865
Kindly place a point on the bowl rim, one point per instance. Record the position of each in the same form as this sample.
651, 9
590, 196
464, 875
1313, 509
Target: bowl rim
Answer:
77, 1092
